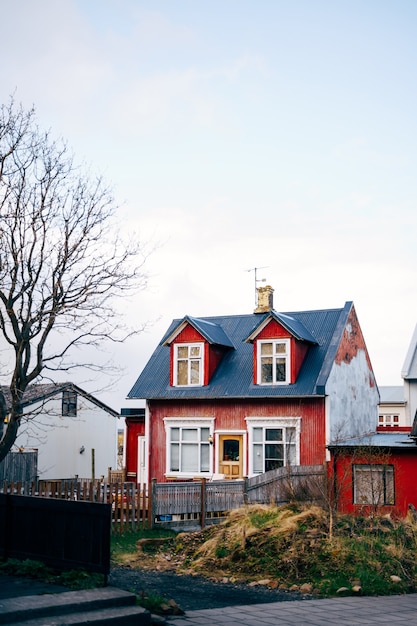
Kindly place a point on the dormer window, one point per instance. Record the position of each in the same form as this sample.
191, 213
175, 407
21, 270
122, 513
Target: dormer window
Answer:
274, 362
188, 364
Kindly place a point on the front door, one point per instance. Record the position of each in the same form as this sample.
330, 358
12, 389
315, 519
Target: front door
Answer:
231, 456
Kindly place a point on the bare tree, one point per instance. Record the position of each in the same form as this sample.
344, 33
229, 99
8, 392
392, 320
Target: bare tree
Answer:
62, 261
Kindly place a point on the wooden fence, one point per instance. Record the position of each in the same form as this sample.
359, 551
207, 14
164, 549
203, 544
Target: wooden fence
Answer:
181, 505
192, 505
130, 504
61, 534
19, 466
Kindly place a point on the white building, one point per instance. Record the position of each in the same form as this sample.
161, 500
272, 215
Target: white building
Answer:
75, 434
398, 404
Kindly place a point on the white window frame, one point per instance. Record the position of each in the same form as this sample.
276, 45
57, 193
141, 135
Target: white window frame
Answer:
272, 423
274, 356
187, 423
190, 359
374, 484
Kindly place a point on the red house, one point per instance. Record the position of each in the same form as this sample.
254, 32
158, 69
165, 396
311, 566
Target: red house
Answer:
234, 396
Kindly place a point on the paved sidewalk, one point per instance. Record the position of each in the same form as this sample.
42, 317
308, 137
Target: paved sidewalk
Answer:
352, 611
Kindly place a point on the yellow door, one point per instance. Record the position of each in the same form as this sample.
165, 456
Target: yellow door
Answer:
230, 456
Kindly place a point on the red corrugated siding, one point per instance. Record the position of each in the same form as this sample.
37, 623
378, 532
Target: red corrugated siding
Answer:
405, 466
134, 429
230, 415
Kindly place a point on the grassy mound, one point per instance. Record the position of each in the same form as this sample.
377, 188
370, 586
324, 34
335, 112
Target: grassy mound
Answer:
291, 546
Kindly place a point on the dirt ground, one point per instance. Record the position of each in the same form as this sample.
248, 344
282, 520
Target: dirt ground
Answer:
195, 592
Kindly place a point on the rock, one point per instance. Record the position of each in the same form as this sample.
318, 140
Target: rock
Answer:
343, 591
357, 589
306, 588
265, 582
158, 619
395, 579
254, 583
294, 588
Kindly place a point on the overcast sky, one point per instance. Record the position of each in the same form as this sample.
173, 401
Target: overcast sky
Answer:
241, 134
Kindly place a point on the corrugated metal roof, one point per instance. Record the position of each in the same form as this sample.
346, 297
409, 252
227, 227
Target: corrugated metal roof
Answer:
233, 377
391, 394
211, 331
294, 326
381, 440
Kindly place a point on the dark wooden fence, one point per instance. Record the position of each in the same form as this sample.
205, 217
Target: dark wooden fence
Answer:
62, 534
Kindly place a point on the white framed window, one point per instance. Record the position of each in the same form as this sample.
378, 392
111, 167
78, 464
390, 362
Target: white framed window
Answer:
273, 362
388, 420
373, 484
273, 443
188, 364
189, 449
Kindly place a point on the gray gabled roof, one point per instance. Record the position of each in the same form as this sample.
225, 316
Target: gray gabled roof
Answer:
212, 332
391, 394
44, 391
293, 325
233, 377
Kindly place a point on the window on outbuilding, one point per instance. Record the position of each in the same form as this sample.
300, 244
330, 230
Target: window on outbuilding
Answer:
69, 403
373, 484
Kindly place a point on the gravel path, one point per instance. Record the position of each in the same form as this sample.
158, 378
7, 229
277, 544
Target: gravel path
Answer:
193, 593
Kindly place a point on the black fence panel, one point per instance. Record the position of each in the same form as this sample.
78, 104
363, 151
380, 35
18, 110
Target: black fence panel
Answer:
62, 534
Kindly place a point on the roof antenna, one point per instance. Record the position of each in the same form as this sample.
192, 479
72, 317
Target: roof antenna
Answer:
257, 280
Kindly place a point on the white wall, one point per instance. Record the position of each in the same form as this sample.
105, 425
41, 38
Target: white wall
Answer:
352, 399
59, 439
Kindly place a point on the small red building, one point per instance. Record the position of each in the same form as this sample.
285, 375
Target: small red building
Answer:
234, 396
375, 474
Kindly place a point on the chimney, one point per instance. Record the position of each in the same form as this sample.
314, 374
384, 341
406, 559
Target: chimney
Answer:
265, 299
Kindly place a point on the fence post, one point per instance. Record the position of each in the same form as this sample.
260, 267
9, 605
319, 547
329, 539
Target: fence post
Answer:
152, 503
245, 490
203, 503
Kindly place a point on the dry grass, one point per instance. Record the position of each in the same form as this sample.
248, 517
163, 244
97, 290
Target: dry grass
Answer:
291, 545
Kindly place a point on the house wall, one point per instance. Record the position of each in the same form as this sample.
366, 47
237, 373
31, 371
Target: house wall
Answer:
351, 387
410, 395
230, 416
405, 485
59, 439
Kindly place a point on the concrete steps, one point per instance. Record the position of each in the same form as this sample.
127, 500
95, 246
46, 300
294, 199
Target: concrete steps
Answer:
98, 607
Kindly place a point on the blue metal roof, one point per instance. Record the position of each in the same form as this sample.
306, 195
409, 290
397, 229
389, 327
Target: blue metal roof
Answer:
233, 377
294, 326
211, 331
381, 440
